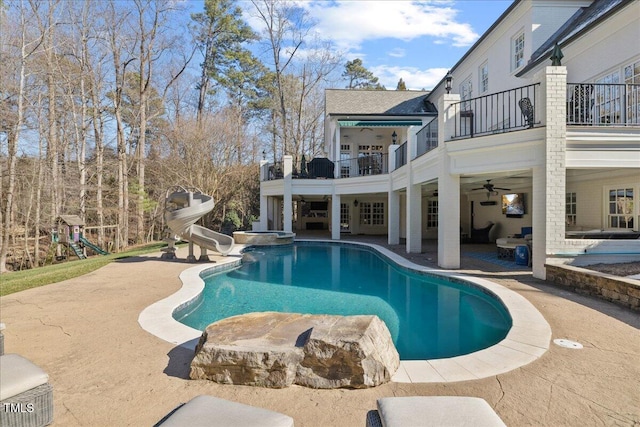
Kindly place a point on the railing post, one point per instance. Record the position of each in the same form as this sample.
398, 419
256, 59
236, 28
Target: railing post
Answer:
447, 117
392, 157
263, 170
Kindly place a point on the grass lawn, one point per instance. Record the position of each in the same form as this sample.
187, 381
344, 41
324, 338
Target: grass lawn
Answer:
20, 280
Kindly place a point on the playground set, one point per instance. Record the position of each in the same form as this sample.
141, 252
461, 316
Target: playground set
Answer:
69, 234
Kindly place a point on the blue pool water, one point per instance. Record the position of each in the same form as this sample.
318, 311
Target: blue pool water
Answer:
429, 317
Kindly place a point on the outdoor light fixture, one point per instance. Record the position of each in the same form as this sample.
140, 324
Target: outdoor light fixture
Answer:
447, 81
394, 137
264, 155
355, 203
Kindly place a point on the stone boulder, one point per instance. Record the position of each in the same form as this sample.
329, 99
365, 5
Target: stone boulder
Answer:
279, 349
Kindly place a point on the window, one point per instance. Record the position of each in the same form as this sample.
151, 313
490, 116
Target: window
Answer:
620, 213
370, 160
372, 213
466, 89
344, 217
607, 104
483, 76
632, 77
432, 213
571, 209
345, 164
517, 51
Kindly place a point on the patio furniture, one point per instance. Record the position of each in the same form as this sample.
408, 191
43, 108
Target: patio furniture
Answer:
481, 235
441, 411
527, 111
26, 397
211, 411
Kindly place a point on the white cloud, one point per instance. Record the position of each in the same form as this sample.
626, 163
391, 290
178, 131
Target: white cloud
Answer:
349, 23
414, 78
397, 53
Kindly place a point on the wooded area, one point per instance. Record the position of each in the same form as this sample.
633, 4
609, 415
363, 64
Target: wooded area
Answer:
104, 105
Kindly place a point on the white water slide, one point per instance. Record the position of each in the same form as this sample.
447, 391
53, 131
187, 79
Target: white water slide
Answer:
183, 207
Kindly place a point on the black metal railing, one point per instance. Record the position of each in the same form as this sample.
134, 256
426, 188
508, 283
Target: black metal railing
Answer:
427, 138
499, 112
275, 170
371, 164
401, 155
603, 104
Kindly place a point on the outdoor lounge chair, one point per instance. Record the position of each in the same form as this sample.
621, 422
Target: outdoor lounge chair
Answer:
26, 397
440, 411
215, 412
481, 235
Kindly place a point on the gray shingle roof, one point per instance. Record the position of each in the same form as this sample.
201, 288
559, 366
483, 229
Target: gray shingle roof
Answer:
383, 102
582, 20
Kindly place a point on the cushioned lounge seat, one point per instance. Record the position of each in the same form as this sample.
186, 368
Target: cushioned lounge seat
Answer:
214, 412
440, 411
26, 397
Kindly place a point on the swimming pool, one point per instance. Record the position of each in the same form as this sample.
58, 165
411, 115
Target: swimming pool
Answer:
429, 316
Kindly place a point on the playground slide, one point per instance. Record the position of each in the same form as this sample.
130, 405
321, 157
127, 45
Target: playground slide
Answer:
189, 207
95, 248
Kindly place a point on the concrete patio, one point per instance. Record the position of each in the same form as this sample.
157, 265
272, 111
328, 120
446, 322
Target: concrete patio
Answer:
107, 371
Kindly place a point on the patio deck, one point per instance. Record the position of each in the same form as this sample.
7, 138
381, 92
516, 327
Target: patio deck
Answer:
107, 371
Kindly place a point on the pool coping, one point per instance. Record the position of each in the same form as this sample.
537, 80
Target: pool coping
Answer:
527, 340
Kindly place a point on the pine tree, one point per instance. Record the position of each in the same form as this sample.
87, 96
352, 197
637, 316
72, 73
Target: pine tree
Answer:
359, 77
401, 85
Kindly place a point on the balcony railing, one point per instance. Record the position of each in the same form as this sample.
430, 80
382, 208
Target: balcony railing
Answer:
323, 168
427, 137
401, 155
603, 104
371, 164
499, 112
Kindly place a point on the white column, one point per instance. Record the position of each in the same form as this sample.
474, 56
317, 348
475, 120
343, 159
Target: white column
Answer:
287, 199
335, 216
414, 198
264, 213
414, 218
448, 217
448, 190
393, 220
393, 202
549, 182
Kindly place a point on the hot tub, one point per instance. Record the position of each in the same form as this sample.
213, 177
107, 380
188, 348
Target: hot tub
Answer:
270, 237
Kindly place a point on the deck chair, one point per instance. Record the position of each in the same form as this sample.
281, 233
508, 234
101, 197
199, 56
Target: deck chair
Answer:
432, 411
527, 111
26, 397
211, 411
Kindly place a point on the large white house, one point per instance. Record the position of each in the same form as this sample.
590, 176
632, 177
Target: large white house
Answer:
561, 135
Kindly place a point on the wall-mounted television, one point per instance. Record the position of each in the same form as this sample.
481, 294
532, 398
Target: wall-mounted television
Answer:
513, 205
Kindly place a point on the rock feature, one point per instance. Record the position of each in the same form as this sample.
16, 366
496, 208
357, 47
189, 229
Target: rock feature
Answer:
279, 349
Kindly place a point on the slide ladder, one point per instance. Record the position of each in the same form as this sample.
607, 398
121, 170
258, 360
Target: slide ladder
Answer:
77, 250
185, 206
93, 247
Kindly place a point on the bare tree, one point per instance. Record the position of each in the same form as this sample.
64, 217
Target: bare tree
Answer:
13, 105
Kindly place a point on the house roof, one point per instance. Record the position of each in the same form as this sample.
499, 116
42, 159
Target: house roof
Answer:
71, 220
583, 20
359, 102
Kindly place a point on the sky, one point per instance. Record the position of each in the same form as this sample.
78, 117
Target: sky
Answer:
417, 41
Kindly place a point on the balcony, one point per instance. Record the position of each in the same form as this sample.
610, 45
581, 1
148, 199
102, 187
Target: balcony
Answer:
505, 111
323, 168
599, 104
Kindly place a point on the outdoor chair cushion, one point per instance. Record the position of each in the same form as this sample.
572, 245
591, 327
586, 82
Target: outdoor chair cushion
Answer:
18, 375
441, 411
212, 412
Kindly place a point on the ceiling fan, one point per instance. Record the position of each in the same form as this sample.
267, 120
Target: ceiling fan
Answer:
490, 187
